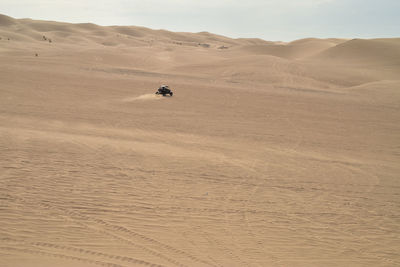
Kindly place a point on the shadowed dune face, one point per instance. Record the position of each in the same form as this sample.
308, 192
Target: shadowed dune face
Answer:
268, 154
6, 20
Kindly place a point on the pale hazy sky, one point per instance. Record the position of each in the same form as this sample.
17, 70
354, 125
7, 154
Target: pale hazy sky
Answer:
268, 19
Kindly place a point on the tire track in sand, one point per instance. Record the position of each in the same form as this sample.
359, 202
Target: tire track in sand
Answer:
61, 256
103, 225
72, 217
83, 251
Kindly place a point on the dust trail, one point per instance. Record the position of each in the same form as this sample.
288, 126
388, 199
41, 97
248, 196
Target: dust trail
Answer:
142, 98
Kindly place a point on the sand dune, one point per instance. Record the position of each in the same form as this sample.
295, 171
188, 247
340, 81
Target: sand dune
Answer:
91, 31
373, 52
6, 20
294, 50
268, 154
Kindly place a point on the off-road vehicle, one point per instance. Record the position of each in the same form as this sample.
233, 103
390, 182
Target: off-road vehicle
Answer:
164, 90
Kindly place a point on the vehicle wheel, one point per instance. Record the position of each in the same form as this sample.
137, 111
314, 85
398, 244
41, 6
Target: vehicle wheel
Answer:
171, 94
157, 93
163, 94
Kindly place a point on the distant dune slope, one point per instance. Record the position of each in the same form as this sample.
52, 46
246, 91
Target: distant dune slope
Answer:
6, 20
310, 61
374, 51
293, 50
71, 33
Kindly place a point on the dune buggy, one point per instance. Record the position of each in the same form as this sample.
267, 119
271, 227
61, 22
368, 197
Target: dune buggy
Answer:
164, 90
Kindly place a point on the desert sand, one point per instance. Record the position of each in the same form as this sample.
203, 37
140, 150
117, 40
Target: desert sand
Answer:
268, 154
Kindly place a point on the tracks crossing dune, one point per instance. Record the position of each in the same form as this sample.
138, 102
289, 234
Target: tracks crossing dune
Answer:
268, 154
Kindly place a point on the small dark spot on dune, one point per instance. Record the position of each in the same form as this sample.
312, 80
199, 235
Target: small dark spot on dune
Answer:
204, 45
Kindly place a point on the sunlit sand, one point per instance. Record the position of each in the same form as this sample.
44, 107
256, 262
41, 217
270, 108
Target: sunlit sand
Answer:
267, 154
